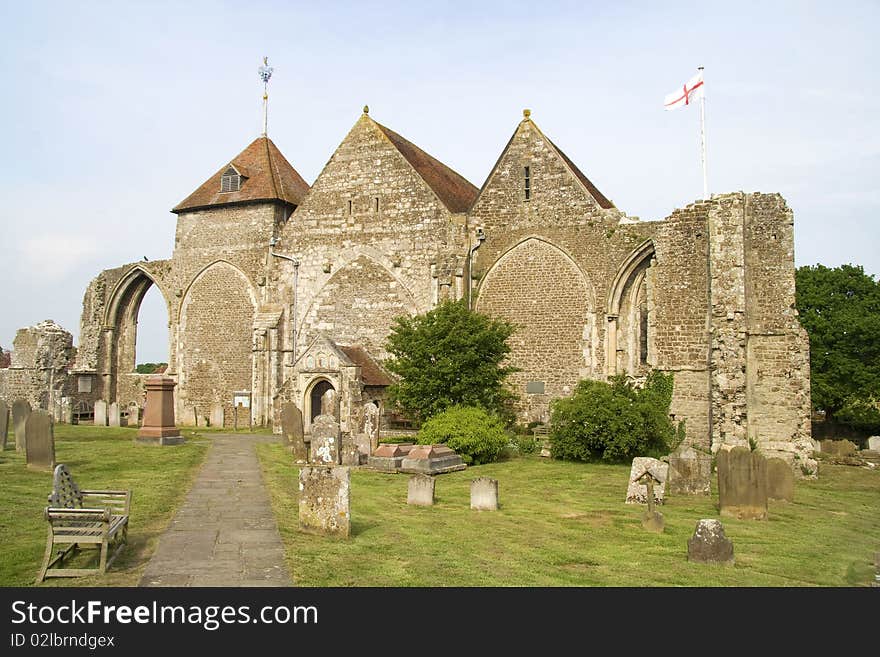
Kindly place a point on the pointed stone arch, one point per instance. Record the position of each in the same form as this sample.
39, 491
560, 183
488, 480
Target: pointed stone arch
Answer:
539, 287
357, 304
215, 340
120, 322
630, 335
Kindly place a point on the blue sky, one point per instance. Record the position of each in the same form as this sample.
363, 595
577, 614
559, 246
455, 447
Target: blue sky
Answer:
114, 112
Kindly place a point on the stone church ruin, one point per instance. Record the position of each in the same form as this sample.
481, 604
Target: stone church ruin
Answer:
278, 291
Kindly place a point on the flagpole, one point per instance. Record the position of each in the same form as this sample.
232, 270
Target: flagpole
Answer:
703, 135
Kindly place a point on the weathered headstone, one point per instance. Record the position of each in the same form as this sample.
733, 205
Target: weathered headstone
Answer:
66, 410
20, 411
349, 454
159, 427
100, 413
389, 456
420, 490
113, 415
484, 494
874, 443
637, 493
431, 459
325, 441
742, 483
709, 544
217, 415
330, 404
371, 425
325, 500
40, 442
133, 415
652, 520
292, 432
4, 424
839, 447
690, 472
780, 480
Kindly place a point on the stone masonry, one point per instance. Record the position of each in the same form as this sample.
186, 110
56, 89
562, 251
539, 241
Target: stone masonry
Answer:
387, 230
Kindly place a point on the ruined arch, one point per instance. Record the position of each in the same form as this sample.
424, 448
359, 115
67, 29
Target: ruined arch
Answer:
538, 287
120, 329
630, 336
357, 305
215, 341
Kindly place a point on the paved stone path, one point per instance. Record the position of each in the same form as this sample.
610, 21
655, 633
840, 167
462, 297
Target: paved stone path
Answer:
225, 533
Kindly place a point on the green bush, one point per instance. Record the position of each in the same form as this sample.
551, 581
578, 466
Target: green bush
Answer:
525, 443
613, 421
474, 434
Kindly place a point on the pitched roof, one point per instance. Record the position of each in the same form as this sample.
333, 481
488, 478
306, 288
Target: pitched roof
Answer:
603, 202
372, 373
269, 177
456, 193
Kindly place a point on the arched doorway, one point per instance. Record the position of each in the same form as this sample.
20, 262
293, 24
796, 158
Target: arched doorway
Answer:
314, 398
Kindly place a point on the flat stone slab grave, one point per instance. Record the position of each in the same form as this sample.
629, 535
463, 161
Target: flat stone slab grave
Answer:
225, 533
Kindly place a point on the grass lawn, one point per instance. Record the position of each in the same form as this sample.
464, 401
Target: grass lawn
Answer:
565, 524
98, 457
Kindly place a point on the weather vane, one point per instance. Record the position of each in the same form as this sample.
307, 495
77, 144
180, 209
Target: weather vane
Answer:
265, 72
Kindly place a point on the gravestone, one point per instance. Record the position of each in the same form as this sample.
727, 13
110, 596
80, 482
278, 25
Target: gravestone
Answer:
20, 411
839, 447
217, 415
637, 493
330, 404
4, 424
325, 441
431, 459
742, 483
874, 443
133, 415
362, 441
188, 416
690, 472
389, 456
652, 520
349, 454
484, 494
325, 500
113, 415
292, 432
40, 442
371, 425
420, 490
780, 480
100, 413
159, 427
709, 544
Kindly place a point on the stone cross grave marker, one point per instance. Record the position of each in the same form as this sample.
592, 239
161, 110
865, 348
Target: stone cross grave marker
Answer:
217, 415
484, 494
651, 520
780, 480
113, 415
325, 440
292, 432
709, 544
4, 424
20, 411
40, 442
742, 483
100, 413
420, 490
325, 500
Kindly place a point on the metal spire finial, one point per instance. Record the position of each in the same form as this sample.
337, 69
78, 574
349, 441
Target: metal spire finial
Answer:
265, 72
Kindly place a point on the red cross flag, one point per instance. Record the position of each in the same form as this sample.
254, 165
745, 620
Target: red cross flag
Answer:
691, 90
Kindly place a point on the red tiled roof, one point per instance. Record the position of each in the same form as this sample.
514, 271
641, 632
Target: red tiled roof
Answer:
371, 372
270, 177
456, 193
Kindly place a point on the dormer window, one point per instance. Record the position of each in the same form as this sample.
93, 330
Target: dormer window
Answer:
230, 181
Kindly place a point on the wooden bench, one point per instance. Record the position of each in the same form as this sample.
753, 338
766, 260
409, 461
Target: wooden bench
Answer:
96, 518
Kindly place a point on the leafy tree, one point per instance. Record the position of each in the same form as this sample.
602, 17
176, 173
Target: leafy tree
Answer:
449, 356
614, 421
840, 310
474, 434
5, 358
148, 368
